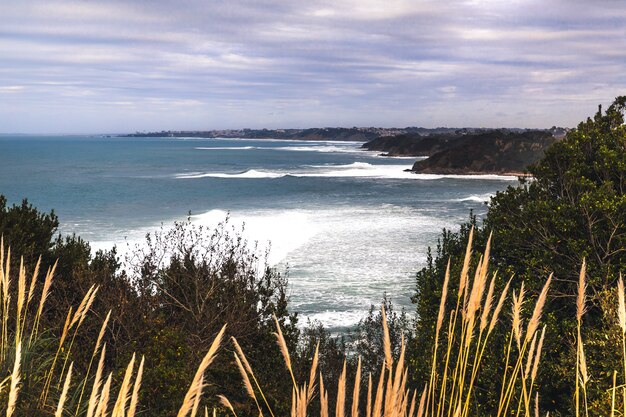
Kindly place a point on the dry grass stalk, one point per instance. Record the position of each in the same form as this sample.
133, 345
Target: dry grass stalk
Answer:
399, 368
581, 299
93, 355
387, 397
135, 396
442, 304
517, 315
284, 350
496, 312
103, 403
44, 296
378, 400
473, 302
21, 298
196, 386
122, 397
248, 368
33, 281
102, 331
386, 340
536, 317
621, 312
613, 394
466, 262
242, 356
412, 407
421, 409
533, 374
580, 353
227, 404
323, 399
341, 393
584, 376
246, 380
66, 386
368, 406
537, 405
82, 307
487, 306
93, 398
356, 390
313, 373
15, 381
530, 357
196, 401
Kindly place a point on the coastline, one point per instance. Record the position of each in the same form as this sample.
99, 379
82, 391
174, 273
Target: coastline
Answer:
469, 172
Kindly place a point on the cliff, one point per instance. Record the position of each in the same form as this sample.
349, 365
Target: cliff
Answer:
412, 144
494, 152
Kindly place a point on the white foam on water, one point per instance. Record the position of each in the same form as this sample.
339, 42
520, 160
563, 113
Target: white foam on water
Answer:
322, 149
354, 170
356, 256
359, 143
225, 148
478, 198
413, 158
341, 260
335, 319
251, 173
277, 232
280, 232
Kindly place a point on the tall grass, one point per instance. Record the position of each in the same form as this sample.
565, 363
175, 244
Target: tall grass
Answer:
50, 395
461, 337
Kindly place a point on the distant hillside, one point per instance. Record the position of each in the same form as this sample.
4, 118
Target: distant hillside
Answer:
356, 134
413, 144
494, 152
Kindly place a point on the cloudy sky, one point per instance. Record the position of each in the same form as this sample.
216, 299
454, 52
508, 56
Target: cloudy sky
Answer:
119, 66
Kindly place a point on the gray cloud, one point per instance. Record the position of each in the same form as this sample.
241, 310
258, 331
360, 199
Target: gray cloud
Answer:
96, 66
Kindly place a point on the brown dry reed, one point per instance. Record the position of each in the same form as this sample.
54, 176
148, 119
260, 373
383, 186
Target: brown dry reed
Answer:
25, 331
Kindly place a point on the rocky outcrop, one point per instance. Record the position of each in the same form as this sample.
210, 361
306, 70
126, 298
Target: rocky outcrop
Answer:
494, 152
412, 144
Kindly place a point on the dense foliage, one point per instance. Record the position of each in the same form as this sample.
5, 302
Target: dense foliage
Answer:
574, 208
168, 301
170, 296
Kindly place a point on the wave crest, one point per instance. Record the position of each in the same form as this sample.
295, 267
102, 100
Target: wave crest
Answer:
353, 170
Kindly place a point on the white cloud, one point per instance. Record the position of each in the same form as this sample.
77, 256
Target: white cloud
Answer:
192, 63
11, 88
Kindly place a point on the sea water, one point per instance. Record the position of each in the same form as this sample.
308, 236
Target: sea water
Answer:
348, 225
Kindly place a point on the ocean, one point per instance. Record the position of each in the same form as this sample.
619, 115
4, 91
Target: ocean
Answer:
348, 225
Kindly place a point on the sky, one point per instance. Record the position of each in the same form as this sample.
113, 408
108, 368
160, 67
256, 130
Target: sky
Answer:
149, 65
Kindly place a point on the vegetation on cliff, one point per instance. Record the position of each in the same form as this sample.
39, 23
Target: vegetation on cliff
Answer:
494, 152
413, 144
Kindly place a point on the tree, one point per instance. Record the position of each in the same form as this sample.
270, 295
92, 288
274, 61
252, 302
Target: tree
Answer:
191, 281
26, 230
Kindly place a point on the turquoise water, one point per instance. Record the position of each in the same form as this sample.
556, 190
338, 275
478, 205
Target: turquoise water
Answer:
350, 225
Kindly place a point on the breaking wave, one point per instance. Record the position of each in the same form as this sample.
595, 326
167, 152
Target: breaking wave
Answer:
353, 170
